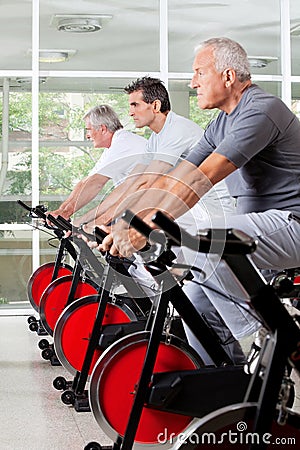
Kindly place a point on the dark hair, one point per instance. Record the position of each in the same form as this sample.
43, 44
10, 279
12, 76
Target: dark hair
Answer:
152, 89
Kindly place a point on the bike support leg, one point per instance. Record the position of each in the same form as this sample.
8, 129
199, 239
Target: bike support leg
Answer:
75, 281
59, 258
96, 331
147, 371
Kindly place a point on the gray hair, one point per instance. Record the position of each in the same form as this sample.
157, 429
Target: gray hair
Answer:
103, 115
228, 54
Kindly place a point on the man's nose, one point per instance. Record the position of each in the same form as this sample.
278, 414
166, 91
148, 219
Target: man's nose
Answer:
193, 84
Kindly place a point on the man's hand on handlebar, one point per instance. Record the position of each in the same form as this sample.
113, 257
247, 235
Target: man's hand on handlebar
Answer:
122, 240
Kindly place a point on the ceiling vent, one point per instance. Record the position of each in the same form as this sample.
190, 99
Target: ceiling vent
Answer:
79, 23
295, 31
259, 62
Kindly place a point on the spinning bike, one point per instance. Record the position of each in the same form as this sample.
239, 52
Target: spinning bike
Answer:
262, 408
151, 381
91, 323
263, 418
49, 271
54, 285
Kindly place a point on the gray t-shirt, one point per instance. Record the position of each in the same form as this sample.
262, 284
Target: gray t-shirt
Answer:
261, 136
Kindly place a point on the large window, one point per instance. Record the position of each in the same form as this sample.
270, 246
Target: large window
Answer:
59, 58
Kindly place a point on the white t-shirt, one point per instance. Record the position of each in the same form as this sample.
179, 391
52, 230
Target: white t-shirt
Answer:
126, 151
172, 144
174, 141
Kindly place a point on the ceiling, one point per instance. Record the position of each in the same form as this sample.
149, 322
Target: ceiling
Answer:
129, 39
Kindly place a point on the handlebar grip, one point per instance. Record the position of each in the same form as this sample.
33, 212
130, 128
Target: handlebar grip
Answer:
169, 226
65, 224
37, 210
99, 235
56, 222
24, 205
225, 241
143, 228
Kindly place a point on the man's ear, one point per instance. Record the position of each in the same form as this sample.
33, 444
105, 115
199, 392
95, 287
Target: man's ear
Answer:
229, 77
157, 105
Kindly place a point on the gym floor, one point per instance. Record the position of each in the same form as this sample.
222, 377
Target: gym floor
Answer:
32, 415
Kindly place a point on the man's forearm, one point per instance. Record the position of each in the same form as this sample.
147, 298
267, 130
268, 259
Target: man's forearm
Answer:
120, 199
85, 191
104, 212
182, 188
174, 193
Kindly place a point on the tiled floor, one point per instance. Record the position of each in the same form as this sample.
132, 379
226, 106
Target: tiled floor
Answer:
32, 416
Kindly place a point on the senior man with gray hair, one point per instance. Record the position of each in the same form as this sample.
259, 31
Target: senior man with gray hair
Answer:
122, 151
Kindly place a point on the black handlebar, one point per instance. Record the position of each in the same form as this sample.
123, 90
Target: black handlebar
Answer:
219, 241
60, 222
142, 227
24, 206
38, 210
99, 234
225, 241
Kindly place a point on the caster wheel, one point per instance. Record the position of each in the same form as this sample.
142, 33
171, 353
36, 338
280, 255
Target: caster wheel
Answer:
43, 344
60, 383
68, 397
33, 326
47, 353
93, 446
31, 319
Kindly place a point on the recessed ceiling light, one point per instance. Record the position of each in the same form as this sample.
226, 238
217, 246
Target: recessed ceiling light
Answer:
259, 62
54, 55
79, 23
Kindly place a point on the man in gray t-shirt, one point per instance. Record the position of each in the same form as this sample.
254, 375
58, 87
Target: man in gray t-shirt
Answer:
261, 137
254, 145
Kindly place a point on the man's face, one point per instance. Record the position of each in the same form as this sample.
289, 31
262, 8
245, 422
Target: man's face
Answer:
96, 136
141, 112
210, 84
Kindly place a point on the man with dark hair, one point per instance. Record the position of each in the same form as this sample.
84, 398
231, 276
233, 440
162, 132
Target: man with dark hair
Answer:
152, 89
172, 139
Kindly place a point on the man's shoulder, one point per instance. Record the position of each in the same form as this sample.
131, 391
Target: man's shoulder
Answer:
181, 121
175, 117
268, 104
127, 134
260, 98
